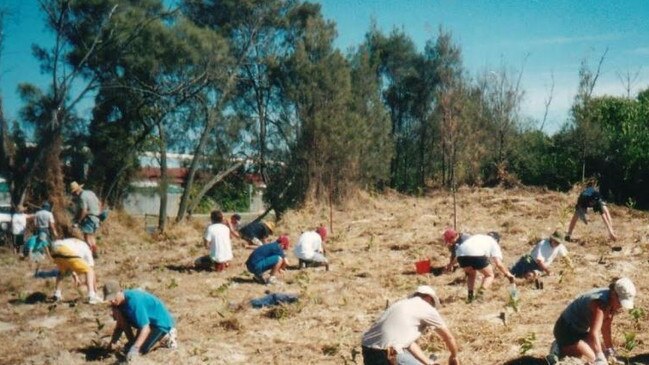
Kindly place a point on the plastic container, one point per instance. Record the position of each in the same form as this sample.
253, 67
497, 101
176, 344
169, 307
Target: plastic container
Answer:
422, 267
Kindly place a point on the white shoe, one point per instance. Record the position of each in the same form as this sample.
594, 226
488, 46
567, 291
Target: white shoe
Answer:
170, 340
95, 300
273, 280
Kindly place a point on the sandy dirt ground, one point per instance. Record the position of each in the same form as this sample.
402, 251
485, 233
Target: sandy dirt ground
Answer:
375, 242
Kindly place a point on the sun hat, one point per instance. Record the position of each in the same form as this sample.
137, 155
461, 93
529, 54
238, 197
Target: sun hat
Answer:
625, 292
75, 187
322, 231
495, 235
427, 290
111, 288
558, 236
269, 225
450, 235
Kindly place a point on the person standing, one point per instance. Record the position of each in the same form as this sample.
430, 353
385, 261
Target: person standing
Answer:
134, 308
579, 327
44, 221
310, 248
18, 227
392, 339
591, 198
87, 214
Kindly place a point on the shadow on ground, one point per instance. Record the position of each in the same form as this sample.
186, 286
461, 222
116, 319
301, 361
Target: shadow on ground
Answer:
638, 359
527, 360
95, 353
33, 298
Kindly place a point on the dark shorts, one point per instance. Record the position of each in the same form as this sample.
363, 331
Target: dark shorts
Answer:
19, 240
566, 335
375, 356
154, 336
524, 265
476, 262
263, 265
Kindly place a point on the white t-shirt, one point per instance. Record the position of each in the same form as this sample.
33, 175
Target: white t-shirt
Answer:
78, 247
307, 245
218, 235
545, 252
18, 223
402, 324
479, 245
43, 218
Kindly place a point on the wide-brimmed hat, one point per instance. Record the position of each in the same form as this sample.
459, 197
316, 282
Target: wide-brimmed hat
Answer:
427, 290
269, 225
558, 237
75, 187
111, 288
625, 292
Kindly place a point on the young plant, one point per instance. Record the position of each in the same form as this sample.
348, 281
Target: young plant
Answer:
637, 314
526, 343
514, 298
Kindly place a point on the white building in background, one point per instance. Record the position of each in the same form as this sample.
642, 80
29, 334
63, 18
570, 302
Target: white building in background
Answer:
143, 197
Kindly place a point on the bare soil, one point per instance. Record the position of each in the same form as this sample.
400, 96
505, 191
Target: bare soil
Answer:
375, 242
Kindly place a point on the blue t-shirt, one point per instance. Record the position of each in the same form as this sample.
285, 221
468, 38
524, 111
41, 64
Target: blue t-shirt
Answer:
142, 308
264, 251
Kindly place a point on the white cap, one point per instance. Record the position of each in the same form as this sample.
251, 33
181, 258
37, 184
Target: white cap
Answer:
427, 290
625, 292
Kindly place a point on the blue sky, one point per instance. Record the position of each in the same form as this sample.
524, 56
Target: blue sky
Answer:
545, 37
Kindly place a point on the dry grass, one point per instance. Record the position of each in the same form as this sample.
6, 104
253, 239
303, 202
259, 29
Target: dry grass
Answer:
373, 247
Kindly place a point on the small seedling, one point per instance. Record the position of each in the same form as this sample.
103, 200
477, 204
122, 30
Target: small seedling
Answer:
172, 284
526, 343
629, 341
637, 314
514, 298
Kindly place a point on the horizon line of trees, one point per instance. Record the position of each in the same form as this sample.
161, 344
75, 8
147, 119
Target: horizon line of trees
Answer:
262, 79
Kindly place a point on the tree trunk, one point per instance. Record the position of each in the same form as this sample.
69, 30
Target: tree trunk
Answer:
215, 180
164, 180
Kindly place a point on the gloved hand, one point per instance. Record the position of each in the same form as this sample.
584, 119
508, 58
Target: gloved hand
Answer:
132, 353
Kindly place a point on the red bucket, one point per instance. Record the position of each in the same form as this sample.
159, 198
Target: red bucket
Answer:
422, 267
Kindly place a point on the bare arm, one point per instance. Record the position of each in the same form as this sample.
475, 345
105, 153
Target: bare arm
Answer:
606, 331
416, 351
142, 334
596, 323
543, 266
449, 340
499, 264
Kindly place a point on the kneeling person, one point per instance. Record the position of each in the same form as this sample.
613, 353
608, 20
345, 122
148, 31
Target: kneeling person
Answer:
310, 248
134, 308
72, 255
270, 256
531, 265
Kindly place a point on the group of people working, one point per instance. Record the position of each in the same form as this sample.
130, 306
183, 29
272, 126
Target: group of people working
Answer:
268, 255
392, 339
583, 329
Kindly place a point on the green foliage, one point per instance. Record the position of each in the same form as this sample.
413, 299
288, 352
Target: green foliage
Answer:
526, 343
630, 341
